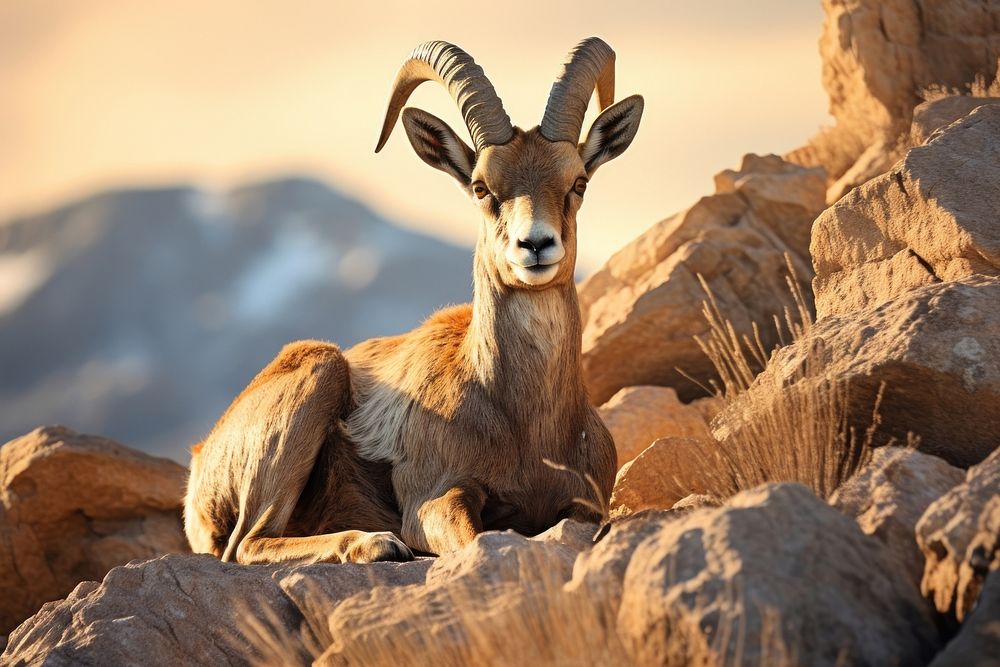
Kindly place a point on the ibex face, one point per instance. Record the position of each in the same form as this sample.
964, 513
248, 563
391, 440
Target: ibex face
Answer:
528, 186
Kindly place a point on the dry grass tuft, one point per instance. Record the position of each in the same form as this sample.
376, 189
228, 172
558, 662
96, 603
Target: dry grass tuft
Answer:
791, 431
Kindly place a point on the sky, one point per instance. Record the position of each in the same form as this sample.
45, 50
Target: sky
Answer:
111, 93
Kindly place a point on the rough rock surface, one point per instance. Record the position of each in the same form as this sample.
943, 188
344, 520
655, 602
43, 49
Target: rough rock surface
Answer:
642, 309
74, 506
938, 114
889, 495
879, 55
195, 609
936, 348
931, 219
636, 416
712, 588
978, 641
959, 535
664, 473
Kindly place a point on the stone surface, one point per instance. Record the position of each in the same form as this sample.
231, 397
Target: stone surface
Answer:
889, 495
774, 577
959, 535
977, 643
936, 349
74, 506
931, 219
934, 115
664, 473
636, 416
643, 308
879, 55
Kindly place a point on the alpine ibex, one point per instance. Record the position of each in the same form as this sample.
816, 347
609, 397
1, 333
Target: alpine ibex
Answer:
440, 433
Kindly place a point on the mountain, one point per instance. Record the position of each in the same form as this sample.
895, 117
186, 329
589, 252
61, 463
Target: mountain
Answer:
141, 313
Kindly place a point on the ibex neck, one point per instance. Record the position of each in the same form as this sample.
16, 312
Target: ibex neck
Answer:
525, 345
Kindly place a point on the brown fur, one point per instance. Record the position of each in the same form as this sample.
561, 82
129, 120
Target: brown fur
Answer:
434, 435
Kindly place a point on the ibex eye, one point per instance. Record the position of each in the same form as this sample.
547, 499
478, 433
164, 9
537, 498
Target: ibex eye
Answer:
479, 189
580, 186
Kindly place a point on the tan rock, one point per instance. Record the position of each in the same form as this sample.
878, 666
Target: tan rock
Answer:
774, 577
636, 416
74, 506
932, 219
930, 117
889, 495
878, 55
960, 538
936, 349
643, 308
664, 473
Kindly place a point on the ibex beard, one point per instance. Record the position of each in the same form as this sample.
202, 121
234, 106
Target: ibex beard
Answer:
421, 441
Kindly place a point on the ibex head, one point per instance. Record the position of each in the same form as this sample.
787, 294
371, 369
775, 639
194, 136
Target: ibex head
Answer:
529, 185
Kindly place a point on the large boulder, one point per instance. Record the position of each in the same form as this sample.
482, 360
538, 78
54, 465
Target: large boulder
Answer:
931, 219
74, 506
879, 56
889, 495
935, 115
932, 352
636, 416
774, 577
959, 535
643, 308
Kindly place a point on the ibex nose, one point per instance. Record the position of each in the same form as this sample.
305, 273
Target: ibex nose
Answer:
536, 245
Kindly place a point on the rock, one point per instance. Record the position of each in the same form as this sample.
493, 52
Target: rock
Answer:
74, 506
636, 416
879, 55
696, 501
728, 586
889, 495
664, 473
643, 308
936, 348
932, 219
194, 609
978, 641
934, 115
959, 535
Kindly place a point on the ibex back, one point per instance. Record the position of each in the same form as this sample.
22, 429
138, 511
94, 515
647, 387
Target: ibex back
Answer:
438, 434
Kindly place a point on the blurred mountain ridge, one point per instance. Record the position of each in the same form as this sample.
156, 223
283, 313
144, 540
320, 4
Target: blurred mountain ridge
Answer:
140, 313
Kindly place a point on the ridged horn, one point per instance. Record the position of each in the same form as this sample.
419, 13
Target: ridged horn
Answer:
446, 63
590, 64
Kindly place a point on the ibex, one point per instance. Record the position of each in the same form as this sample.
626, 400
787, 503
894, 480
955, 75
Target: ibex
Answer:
440, 433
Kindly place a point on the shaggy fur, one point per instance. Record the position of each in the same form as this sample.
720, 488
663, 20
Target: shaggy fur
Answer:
438, 434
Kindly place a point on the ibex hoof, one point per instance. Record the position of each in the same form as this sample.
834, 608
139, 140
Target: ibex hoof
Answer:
374, 547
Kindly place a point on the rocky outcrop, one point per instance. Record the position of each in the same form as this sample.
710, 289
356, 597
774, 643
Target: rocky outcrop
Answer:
705, 586
642, 309
959, 536
636, 416
931, 219
728, 586
878, 57
934, 351
935, 115
667, 471
74, 506
889, 495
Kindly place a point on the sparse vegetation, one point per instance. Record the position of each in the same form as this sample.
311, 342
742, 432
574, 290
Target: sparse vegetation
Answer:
799, 430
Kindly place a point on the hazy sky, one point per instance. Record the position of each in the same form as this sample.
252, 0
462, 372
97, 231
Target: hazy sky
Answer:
115, 92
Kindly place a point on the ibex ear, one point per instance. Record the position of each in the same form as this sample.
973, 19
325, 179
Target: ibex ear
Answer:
438, 145
611, 133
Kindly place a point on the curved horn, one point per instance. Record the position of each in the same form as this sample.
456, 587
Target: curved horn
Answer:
591, 63
483, 111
